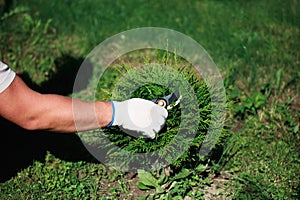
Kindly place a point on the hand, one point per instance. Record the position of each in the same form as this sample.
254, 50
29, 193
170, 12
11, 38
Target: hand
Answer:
139, 116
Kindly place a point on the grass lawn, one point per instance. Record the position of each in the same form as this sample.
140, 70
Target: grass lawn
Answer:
255, 45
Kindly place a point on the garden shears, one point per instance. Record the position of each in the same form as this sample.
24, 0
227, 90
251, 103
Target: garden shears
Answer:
168, 101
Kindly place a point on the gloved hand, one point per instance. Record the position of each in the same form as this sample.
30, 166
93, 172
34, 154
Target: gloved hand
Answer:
139, 116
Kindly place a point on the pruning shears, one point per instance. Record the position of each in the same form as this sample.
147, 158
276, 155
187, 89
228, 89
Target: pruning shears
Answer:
168, 101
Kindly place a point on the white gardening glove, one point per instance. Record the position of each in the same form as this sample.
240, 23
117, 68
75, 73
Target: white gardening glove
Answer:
139, 116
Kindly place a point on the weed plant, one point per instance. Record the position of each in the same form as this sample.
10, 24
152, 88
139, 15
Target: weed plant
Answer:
180, 140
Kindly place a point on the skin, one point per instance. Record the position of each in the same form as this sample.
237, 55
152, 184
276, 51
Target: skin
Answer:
35, 111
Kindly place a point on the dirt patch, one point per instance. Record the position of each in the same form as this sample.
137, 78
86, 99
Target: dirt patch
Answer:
135, 192
219, 187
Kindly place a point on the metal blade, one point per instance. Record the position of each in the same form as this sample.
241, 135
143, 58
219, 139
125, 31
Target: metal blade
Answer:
166, 101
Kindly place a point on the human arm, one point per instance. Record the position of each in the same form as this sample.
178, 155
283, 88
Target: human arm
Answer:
35, 111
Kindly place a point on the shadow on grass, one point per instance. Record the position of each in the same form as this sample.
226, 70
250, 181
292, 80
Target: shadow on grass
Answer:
19, 147
5, 5
62, 80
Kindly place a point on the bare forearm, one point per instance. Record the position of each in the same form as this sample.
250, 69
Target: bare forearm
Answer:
36, 111
63, 114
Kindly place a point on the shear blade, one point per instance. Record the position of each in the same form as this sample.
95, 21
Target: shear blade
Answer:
169, 99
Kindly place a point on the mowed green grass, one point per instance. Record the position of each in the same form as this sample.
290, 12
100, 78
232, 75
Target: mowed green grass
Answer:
255, 45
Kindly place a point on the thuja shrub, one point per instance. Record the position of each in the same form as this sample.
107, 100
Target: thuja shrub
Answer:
186, 128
